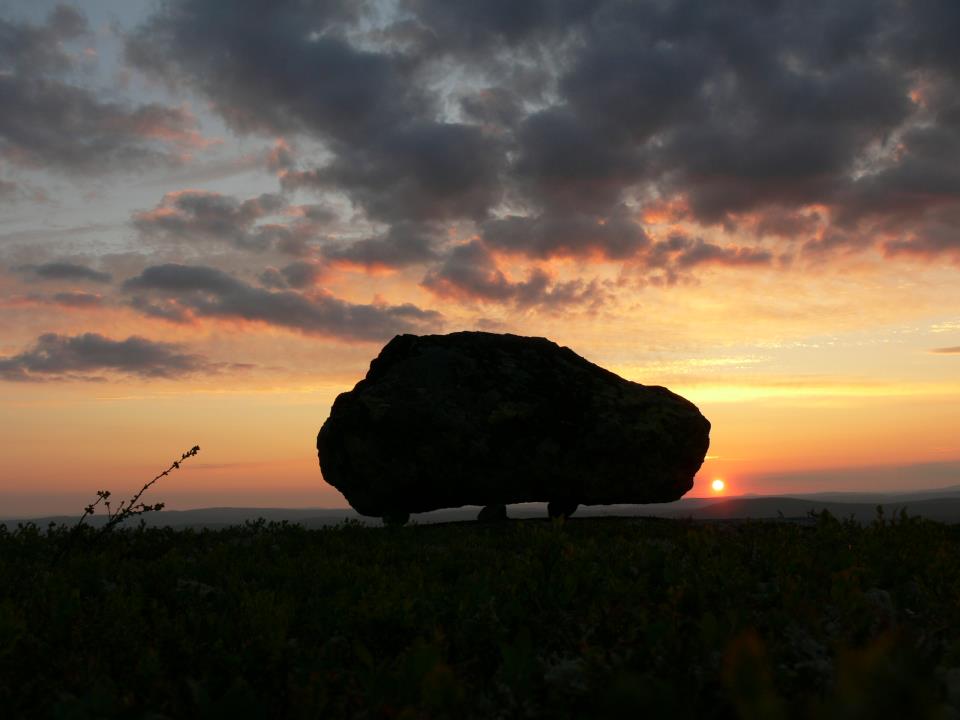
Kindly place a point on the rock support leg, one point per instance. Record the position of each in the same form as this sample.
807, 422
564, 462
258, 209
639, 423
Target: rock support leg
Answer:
561, 508
493, 513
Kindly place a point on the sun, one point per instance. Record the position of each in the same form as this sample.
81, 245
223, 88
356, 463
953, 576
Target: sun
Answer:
718, 485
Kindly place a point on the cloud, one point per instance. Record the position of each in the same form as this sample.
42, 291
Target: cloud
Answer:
281, 157
64, 271
566, 163
931, 236
494, 108
77, 299
403, 244
164, 309
64, 357
470, 272
613, 237
947, 350
299, 274
40, 48
538, 120
286, 70
296, 72
683, 252
48, 122
13, 192
192, 291
466, 26
71, 300
195, 216
9, 191
415, 171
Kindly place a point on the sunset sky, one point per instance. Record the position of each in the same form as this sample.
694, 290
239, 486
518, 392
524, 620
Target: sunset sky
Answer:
213, 215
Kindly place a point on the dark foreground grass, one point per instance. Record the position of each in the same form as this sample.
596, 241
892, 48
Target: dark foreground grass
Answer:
591, 618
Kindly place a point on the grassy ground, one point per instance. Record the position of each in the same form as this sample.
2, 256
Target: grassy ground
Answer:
588, 618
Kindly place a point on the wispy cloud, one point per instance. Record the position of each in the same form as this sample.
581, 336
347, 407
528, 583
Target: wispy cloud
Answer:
63, 357
72, 300
194, 216
470, 272
64, 271
194, 291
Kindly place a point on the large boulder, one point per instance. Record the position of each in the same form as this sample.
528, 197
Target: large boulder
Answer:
476, 418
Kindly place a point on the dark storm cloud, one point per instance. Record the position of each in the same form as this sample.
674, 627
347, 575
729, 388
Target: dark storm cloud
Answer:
493, 107
64, 271
633, 89
302, 274
299, 274
924, 182
195, 216
200, 291
421, 171
68, 357
934, 235
293, 71
169, 310
745, 108
279, 66
470, 272
183, 279
565, 163
464, 26
49, 123
680, 252
746, 114
403, 244
616, 237
27, 48
787, 224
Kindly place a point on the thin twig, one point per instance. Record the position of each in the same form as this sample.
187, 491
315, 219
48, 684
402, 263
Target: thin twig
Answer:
131, 508
89, 509
127, 508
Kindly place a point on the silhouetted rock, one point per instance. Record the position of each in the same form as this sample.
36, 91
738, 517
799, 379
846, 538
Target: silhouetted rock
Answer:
493, 513
476, 418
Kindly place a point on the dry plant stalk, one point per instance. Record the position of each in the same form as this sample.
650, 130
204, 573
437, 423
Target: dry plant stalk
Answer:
129, 508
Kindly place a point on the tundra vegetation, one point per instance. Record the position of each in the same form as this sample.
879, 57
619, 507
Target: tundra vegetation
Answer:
539, 618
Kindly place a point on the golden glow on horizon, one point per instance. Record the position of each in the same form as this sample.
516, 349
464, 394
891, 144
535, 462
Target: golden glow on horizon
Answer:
825, 374
718, 485
738, 393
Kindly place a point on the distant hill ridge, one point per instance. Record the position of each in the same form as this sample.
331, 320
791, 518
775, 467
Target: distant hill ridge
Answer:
942, 504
